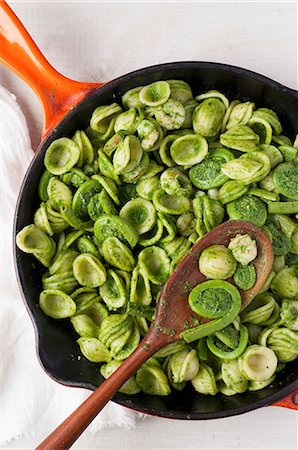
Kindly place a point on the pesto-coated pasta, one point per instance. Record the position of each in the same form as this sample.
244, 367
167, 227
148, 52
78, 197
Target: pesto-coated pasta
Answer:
233, 378
121, 203
217, 262
245, 276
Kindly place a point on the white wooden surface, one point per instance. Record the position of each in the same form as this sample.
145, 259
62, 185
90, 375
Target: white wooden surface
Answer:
98, 41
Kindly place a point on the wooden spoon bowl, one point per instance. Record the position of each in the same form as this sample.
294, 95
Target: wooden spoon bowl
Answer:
173, 313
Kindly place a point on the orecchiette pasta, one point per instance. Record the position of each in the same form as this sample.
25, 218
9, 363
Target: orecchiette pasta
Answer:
121, 203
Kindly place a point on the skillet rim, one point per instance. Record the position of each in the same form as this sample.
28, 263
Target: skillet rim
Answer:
119, 398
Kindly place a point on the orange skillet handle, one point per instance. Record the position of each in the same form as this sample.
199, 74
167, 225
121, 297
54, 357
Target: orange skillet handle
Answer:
291, 401
19, 53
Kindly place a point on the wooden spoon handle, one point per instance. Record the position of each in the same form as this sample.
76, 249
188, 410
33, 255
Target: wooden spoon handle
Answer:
68, 432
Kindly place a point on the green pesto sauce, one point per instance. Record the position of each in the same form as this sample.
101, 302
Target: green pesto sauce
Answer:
215, 300
127, 192
280, 242
249, 205
83, 196
164, 330
112, 287
208, 174
137, 216
250, 208
186, 287
186, 325
285, 178
154, 94
195, 321
167, 331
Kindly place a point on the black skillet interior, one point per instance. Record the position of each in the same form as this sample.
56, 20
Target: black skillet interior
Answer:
56, 341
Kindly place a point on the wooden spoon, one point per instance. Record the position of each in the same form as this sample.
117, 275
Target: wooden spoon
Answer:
172, 314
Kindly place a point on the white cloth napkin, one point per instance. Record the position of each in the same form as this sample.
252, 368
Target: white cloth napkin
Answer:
32, 404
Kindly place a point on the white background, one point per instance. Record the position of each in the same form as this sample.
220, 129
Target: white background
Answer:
98, 41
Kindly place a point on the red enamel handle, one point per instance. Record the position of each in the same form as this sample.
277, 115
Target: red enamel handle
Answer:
291, 401
19, 53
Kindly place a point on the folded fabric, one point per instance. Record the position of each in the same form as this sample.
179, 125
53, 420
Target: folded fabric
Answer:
32, 403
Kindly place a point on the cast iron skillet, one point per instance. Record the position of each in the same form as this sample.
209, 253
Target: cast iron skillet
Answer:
68, 106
